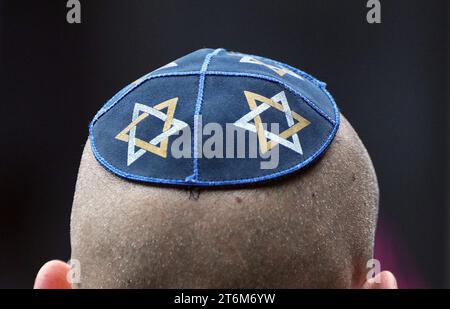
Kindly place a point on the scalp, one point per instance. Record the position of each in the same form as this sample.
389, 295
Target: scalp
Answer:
313, 228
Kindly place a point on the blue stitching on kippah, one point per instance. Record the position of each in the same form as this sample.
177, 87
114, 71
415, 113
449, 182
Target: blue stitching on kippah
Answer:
309, 77
322, 85
272, 79
333, 103
118, 96
198, 109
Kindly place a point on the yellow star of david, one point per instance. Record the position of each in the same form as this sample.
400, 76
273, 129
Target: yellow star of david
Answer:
291, 116
171, 126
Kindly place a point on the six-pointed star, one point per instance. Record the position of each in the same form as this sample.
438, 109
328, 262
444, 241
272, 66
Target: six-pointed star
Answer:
171, 127
258, 127
279, 71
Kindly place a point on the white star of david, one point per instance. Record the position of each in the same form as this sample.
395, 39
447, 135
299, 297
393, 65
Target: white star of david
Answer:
244, 122
171, 127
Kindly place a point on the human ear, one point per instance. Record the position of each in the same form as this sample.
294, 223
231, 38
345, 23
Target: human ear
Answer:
383, 280
53, 275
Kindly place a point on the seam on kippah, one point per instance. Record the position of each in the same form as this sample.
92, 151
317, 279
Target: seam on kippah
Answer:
335, 108
320, 84
307, 76
118, 96
275, 80
197, 113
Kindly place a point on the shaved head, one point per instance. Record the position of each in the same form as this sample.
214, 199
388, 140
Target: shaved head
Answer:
311, 229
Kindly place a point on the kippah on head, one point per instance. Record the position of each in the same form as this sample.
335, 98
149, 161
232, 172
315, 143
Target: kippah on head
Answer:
158, 129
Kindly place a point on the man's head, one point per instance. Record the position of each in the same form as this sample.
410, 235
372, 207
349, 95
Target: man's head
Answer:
312, 229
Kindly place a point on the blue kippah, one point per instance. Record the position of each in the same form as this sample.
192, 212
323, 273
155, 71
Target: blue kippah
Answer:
215, 117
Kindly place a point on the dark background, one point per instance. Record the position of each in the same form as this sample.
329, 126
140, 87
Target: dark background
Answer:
390, 80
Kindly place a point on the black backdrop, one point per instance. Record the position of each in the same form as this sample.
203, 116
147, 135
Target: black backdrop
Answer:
390, 80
